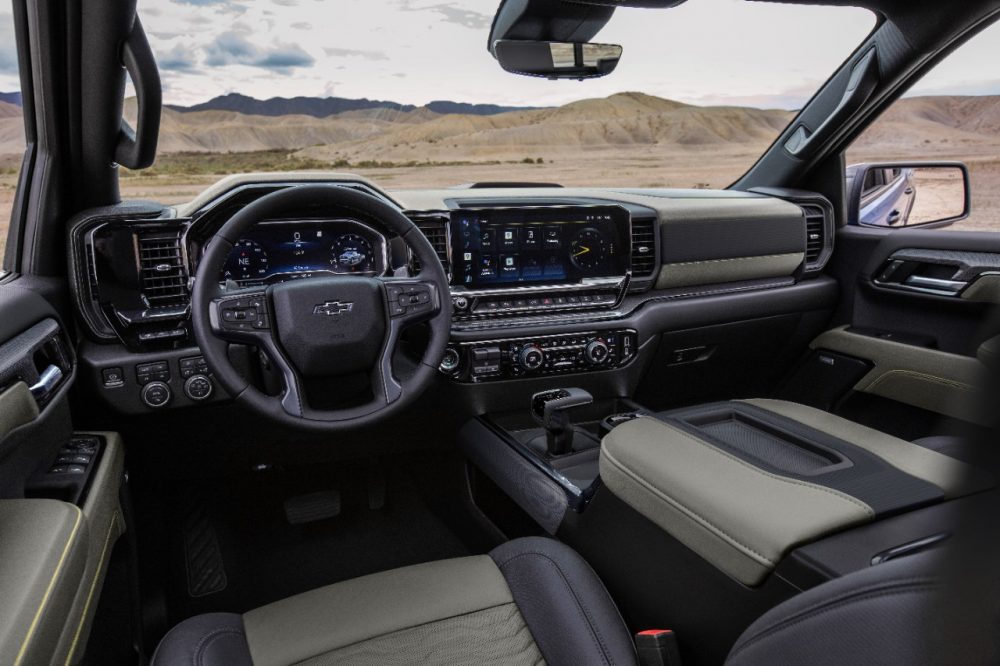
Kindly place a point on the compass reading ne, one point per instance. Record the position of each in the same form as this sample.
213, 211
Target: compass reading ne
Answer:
247, 261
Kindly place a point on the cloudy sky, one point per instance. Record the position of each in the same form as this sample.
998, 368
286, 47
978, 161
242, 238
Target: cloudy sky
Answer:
416, 51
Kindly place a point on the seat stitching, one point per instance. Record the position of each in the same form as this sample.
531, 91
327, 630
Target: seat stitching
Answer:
415, 626
205, 642
905, 587
595, 632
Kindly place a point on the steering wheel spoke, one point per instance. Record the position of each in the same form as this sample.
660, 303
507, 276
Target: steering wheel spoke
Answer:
247, 317
411, 300
242, 317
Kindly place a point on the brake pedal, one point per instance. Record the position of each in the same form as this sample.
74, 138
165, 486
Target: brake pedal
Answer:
310, 508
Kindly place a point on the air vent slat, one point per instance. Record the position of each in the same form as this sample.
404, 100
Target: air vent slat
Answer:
434, 226
815, 232
162, 270
643, 248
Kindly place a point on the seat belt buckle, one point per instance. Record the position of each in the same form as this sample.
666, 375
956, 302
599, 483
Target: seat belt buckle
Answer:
657, 647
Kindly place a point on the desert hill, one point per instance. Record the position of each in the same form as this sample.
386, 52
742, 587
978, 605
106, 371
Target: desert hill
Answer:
624, 121
936, 120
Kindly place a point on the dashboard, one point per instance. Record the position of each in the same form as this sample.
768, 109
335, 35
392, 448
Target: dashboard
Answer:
280, 250
543, 280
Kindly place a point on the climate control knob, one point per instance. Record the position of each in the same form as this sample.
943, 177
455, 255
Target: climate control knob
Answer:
597, 352
156, 394
531, 357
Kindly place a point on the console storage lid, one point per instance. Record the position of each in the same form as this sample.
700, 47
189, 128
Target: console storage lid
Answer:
742, 485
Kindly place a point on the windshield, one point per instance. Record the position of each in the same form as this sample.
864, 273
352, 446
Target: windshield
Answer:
405, 92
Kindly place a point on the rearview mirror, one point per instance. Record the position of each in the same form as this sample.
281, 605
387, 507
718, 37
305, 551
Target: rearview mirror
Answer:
910, 194
557, 60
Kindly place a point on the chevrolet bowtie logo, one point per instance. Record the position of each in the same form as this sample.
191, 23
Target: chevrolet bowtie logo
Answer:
333, 308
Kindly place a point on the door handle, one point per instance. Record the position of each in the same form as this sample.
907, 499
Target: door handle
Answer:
46, 384
948, 287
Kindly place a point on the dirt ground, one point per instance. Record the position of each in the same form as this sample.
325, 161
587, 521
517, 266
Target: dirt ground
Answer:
643, 167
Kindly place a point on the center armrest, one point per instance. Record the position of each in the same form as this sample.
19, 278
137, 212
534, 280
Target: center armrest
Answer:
742, 486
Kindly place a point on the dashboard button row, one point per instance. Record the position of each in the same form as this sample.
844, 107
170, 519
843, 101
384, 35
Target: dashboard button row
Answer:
504, 305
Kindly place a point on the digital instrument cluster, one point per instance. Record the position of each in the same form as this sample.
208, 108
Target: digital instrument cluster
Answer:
286, 250
542, 245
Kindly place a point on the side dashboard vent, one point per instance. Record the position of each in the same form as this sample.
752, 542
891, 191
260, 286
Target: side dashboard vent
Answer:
162, 271
434, 226
643, 247
816, 233
92, 284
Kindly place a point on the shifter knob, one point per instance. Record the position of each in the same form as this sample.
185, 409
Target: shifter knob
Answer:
550, 409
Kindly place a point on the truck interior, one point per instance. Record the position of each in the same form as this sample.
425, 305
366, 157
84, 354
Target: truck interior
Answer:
307, 418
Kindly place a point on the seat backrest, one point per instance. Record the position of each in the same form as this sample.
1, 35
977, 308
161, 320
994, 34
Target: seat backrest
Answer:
908, 611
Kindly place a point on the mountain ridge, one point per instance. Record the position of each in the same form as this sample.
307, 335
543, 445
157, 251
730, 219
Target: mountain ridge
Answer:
324, 107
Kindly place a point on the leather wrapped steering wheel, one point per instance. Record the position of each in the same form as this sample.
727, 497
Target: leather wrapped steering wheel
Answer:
322, 327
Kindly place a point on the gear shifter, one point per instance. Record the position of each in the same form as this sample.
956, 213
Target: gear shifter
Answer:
551, 410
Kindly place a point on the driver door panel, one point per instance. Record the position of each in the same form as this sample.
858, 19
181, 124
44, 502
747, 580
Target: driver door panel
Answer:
56, 527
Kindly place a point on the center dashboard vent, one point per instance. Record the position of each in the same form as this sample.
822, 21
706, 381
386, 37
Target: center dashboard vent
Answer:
162, 270
643, 248
434, 226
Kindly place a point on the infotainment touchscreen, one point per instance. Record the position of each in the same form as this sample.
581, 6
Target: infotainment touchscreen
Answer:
550, 244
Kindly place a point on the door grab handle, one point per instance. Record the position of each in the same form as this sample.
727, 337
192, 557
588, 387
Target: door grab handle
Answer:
950, 286
46, 384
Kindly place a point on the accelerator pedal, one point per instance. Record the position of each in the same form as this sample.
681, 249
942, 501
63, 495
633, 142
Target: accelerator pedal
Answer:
206, 573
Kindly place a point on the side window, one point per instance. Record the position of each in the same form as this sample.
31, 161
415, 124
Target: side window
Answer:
906, 170
11, 124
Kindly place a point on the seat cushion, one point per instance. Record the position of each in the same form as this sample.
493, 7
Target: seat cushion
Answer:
530, 601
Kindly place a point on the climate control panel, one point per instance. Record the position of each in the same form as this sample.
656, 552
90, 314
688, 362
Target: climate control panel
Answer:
537, 356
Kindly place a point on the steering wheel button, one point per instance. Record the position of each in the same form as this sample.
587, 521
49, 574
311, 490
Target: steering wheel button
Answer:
394, 293
397, 309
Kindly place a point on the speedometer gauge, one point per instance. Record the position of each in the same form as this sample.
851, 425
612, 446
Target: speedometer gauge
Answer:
351, 253
247, 261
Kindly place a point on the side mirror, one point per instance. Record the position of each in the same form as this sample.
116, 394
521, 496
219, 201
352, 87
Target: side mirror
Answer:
557, 60
908, 194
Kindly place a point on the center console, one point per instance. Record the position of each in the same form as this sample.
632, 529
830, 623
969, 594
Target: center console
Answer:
531, 265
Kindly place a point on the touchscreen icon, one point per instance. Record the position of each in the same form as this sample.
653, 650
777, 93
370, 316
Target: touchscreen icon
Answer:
487, 266
508, 239
552, 238
531, 238
508, 265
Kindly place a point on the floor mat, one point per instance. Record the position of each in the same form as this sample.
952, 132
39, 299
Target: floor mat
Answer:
262, 557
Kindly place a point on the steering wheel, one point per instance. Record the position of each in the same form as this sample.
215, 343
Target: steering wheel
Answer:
322, 327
